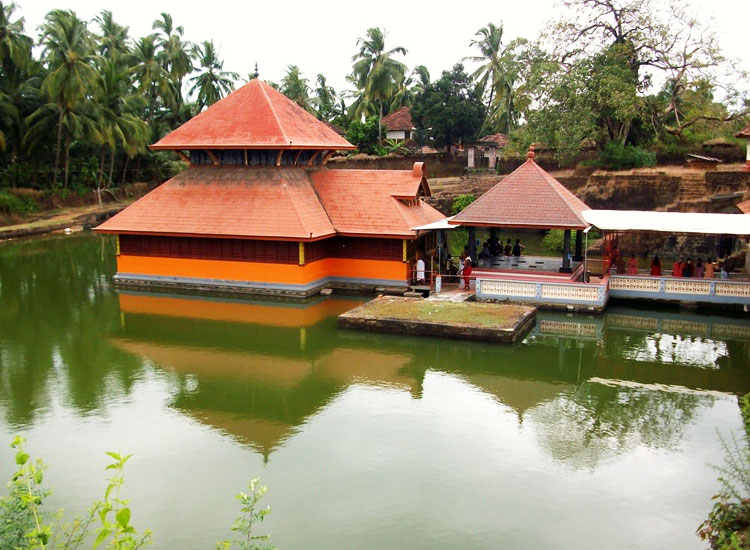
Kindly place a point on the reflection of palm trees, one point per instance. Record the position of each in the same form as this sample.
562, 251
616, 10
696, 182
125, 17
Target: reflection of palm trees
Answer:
594, 422
56, 307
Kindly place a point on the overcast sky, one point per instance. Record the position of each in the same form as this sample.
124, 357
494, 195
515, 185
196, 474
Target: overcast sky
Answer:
320, 37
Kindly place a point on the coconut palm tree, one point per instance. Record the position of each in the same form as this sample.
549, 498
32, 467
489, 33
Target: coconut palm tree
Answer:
176, 54
213, 82
116, 108
376, 72
113, 37
15, 46
68, 55
146, 68
488, 74
295, 87
411, 87
324, 99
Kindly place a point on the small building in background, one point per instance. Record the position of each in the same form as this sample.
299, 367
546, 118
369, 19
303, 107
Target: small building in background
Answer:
486, 148
399, 124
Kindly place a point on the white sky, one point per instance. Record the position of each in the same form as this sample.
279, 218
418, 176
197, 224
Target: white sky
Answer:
320, 37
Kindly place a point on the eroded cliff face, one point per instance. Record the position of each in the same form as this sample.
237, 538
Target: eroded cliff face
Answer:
673, 189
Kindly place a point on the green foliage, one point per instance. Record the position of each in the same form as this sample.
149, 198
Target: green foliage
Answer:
250, 515
616, 156
728, 523
450, 107
553, 240
396, 146
25, 526
745, 410
12, 204
461, 202
364, 135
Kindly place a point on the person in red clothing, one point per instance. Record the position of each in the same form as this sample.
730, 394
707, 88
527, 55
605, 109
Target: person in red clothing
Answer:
656, 267
677, 268
467, 272
632, 265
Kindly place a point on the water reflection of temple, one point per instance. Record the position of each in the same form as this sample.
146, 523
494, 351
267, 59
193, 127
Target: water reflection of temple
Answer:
258, 371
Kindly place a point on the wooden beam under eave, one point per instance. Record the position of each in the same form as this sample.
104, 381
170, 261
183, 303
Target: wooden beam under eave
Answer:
245, 151
296, 157
328, 155
183, 157
278, 157
212, 157
312, 158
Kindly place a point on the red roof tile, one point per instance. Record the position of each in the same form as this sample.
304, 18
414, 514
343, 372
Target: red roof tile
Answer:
255, 117
398, 120
500, 139
744, 206
364, 202
744, 134
281, 203
529, 197
235, 201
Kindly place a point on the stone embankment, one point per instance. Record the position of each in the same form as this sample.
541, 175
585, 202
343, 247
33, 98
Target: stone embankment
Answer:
667, 188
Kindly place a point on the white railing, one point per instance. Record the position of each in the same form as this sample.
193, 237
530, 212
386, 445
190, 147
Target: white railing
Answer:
719, 291
542, 292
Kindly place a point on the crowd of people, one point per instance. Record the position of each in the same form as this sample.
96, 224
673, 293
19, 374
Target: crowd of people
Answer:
682, 267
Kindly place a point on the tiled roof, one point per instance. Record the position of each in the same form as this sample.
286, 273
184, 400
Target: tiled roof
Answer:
529, 197
399, 120
364, 202
500, 139
745, 134
280, 203
237, 201
744, 206
254, 116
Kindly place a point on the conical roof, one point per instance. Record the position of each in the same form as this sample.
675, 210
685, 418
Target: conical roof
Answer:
254, 117
528, 197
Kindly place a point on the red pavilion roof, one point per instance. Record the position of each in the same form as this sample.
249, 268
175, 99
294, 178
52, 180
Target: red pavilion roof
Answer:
528, 197
254, 117
743, 134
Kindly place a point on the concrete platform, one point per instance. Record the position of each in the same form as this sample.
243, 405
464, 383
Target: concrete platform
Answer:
496, 323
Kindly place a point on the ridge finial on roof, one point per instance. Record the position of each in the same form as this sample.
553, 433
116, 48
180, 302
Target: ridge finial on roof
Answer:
530, 155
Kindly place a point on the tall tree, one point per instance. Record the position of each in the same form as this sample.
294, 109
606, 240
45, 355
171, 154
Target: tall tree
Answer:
451, 107
213, 82
324, 99
488, 75
295, 87
376, 72
410, 87
113, 37
176, 54
153, 81
68, 56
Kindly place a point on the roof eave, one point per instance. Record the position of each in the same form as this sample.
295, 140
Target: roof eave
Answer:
158, 147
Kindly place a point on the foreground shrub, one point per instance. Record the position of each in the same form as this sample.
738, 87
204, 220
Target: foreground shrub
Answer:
25, 525
616, 156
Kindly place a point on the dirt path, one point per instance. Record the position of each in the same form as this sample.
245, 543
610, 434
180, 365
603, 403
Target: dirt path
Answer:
73, 217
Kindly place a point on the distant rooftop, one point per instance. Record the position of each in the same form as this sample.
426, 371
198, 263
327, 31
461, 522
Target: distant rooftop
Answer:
254, 117
399, 120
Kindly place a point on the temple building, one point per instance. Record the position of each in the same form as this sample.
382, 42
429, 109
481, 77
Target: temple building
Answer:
258, 211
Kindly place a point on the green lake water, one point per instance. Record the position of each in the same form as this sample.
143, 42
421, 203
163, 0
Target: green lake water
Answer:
603, 439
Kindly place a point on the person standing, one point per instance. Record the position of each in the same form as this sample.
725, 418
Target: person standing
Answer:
420, 268
710, 269
699, 272
687, 271
508, 250
677, 268
467, 273
632, 265
518, 248
656, 267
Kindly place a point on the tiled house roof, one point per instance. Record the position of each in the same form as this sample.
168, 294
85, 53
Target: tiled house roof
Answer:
253, 117
500, 139
528, 197
399, 120
280, 203
743, 134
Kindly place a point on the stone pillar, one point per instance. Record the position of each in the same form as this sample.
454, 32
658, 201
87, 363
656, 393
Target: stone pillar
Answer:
493, 158
470, 156
578, 256
566, 253
473, 243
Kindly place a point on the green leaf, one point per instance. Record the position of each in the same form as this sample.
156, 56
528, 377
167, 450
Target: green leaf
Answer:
113, 455
123, 517
22, 458
103, 534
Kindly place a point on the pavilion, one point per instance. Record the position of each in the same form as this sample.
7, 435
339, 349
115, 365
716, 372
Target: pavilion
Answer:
257, 210
529, 198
